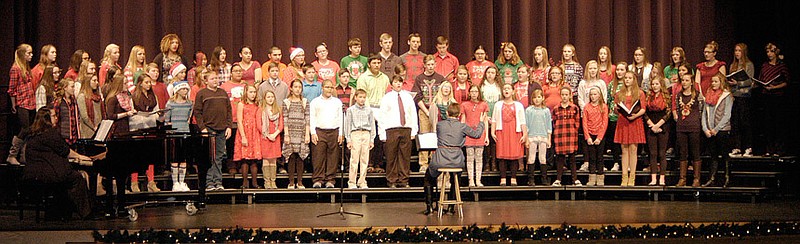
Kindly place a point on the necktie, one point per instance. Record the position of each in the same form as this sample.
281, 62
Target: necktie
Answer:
402, 110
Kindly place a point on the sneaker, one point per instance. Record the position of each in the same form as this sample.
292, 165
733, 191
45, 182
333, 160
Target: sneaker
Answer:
211, 188
556, 183
472, 184
363, 186
615, 167
352, 187
735, 153
329, 185
317, 185
748, 152
478, 184
584, 166
282, 171
300, 186
291, 186
577, 183
219, 188
177, 187
185, 187
646, 169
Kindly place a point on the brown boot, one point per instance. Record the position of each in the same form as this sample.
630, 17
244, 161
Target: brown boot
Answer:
683, 168
697, 166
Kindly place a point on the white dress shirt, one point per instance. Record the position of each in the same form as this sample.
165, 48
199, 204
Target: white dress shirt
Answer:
325, 113
390, 113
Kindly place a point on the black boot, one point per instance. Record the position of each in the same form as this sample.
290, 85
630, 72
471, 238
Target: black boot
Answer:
531, 174
727, 173
543, 169
428, 200
712, 172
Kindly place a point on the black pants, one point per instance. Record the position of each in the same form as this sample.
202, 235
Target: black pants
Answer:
25, 117
594, 153
561, 160
775, 115
506, 164
719, 146
376, 155
657, 147
741, 130
616, 150
688, 145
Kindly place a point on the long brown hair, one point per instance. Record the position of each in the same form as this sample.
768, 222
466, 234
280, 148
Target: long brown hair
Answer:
634, 89
41, 121
47, 81
43, 55
515, 59
615, 81
215, 64
740, 64
76, 60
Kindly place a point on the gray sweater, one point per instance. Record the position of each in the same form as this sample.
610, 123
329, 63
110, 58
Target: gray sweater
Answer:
718, 117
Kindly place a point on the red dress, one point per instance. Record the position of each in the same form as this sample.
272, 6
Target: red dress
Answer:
630, 132
472, 116
251, 122
508, 146
707, 72
272, 149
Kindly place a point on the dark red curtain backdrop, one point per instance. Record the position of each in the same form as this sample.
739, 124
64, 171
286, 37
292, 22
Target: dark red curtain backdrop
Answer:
588, 24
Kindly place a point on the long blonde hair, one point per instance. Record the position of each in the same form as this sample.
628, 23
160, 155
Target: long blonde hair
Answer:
132, 63
274, 107
586, 71
545, 59
107, 53
440, 98
19, 60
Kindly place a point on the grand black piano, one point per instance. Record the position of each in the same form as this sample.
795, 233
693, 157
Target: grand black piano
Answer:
131, 152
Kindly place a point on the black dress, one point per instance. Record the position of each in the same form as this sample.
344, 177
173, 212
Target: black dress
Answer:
47, 165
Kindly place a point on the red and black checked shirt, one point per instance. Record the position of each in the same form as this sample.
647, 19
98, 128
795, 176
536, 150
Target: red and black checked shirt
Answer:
22, 89
565, 128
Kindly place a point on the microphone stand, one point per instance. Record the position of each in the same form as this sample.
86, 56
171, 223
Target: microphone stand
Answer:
341, 211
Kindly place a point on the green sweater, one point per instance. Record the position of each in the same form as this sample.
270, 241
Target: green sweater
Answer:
356, 67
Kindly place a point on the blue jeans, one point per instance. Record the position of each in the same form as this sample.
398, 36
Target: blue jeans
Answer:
215, 169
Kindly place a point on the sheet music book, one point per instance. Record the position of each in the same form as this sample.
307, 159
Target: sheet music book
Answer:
739, 75
427, 141
766, 83
102, 130
628, 111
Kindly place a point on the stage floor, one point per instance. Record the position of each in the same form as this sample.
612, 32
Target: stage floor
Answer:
399, 214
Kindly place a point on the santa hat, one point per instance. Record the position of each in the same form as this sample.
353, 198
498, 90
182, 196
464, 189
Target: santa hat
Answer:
176, 69
295, 51
178, 85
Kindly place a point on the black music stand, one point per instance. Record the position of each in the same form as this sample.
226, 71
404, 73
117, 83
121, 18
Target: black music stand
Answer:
341, 211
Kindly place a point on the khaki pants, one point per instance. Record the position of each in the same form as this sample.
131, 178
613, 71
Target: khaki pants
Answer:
359, 157
424, 127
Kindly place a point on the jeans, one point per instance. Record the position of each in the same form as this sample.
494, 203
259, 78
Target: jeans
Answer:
215, 169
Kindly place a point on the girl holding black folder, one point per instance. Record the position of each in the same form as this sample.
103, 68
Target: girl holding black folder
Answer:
742, 133
775, 74
630, 130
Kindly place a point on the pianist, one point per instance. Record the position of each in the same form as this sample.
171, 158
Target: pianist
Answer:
47, 165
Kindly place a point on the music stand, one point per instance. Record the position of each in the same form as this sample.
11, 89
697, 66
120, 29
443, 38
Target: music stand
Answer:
341, 211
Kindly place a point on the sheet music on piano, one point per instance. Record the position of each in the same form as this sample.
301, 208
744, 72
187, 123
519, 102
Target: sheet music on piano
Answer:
101, 134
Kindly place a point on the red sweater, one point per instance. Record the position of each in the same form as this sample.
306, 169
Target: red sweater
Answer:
595, 120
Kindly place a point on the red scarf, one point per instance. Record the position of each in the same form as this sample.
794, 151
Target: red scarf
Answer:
712, 96
95, 98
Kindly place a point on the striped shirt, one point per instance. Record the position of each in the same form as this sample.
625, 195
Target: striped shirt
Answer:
178, 114
359, 118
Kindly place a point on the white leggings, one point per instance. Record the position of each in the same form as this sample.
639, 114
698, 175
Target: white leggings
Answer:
539, 146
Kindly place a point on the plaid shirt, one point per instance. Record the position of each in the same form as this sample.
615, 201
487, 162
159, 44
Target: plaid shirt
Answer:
224, 73
67, 111
565, 128
344, 93
22, 89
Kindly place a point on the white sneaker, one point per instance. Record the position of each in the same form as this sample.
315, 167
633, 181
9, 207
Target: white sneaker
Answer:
478, 184
735, 153
364, 186
177, 186
748, 152
352, 187
578, 183
557, 183
472, 184
584, 166
185, 187
615, 167
291, 186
